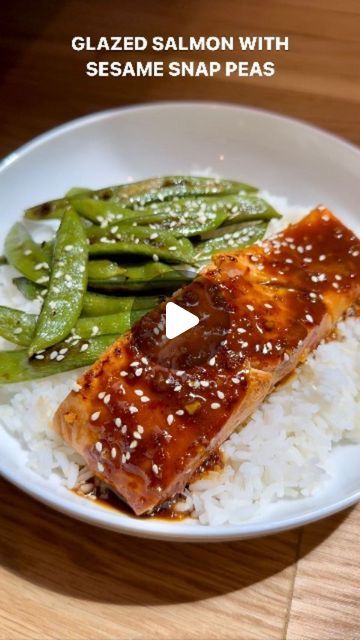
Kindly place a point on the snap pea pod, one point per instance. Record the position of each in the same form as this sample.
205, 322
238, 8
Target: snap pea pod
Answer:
105, 212
77, 191
27, 256
64, 298
150, 276
244, 208
239, 237
15, 366
114, 324
29, 289
94, 304
143, 192
140, 241
16, 326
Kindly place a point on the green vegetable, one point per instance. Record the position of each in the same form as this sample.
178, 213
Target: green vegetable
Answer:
15, 366
144, 192
96, 304
149, 276
237, 237
63, 301
17, 327
140, 241
107, 212
26, 256
29, 289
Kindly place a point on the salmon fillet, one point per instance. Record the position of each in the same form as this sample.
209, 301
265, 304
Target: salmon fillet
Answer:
151, 410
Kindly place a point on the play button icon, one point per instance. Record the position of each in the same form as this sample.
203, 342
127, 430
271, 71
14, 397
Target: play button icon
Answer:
178, 320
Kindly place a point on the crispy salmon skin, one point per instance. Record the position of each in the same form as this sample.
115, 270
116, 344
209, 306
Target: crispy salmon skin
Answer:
151, 410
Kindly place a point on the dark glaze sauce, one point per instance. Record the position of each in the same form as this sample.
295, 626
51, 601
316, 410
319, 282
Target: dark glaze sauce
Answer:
161, 403
166, 511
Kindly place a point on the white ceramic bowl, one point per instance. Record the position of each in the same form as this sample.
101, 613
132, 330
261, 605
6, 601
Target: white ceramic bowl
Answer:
281, 155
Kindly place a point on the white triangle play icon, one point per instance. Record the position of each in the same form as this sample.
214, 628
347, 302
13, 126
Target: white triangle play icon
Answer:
178, 320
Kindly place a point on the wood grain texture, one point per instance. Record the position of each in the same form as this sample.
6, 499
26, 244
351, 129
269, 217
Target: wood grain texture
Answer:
60, 579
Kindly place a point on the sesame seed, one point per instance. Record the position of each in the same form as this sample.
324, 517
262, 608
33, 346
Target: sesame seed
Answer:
241, 330
215, 405
133, 409
212, 362
124, 429
118, 422
18, 330
235, 380
39, 357
326, 218
220, 395
140, 428
59, 358
144, 360
107, 398
137, 435
154, 236
53, 355
134, 364
139, 392
84, 347
155, 258
101, 395
138, 372
98, 447
133, 444
95, 416
309, 318
27, 252
250, 307
268, 305
335, 285
123, 458
95, 330
322, 257
180, 412
100, 467
170, 419
63, 351
155, 469
113, 452
144, 399
286, 356
124, 374
69, 247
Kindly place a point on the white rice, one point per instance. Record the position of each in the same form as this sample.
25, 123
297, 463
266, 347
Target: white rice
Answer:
280, 453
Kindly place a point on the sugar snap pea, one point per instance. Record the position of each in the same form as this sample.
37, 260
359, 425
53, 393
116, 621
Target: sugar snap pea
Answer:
97, 304
29, 289
15, 366
237, 237
94, 304
105, 212
63, 301
143, 192
16, 326
27, 256
150, 276
141, 241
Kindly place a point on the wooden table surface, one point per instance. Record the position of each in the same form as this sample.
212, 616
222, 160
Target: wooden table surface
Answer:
60, 579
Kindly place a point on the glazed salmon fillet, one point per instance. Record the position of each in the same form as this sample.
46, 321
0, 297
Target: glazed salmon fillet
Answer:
151, 410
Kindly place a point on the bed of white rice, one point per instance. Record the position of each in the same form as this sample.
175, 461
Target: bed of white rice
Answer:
281, 453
